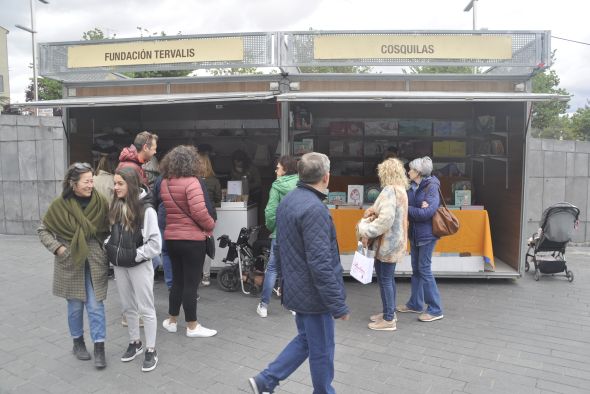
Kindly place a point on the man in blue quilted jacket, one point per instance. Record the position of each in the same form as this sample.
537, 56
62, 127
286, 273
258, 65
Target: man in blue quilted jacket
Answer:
309, 261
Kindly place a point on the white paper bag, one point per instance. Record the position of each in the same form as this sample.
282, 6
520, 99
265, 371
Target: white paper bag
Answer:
362, 267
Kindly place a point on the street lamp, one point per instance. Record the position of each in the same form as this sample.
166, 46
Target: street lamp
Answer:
472, 4
33, 32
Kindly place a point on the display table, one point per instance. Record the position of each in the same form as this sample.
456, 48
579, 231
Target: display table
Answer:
474, 238
230, 221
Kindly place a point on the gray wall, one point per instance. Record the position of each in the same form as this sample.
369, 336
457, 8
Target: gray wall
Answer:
32, 163
558, 171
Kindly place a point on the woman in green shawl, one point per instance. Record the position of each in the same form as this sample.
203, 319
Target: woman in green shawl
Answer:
74, 229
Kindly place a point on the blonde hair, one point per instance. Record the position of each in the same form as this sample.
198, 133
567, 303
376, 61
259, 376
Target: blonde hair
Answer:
392, 173
206, 169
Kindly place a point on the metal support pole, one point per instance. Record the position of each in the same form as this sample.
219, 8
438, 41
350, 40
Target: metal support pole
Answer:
284, 128
33, 32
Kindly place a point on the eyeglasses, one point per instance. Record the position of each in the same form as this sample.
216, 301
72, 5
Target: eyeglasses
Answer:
82, 166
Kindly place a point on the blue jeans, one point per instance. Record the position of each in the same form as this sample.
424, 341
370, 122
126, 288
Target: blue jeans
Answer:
315, 339
94, 309
166, 265
386, 281
270, 276
424, 289
156, 262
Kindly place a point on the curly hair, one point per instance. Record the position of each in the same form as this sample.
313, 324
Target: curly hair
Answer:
181, 162
392, 173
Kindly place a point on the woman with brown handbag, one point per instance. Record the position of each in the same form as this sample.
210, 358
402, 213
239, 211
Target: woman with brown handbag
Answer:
386, 224
423, 201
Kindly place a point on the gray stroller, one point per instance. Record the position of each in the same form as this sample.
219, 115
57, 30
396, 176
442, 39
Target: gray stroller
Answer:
547, 246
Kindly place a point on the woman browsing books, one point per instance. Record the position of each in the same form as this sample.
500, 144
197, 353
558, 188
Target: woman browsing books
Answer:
384, 227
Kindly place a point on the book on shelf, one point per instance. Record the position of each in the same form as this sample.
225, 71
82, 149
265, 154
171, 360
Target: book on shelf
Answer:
485, 124
415, 127
336, 198
336, 148
303, 146
355, 195
372, 191
384, 127
462, 197
472, 208
355, 148
449, 149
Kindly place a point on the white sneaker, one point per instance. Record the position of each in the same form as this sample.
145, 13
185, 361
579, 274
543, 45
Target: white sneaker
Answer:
200, 332
170, 327
262, 310
293, 312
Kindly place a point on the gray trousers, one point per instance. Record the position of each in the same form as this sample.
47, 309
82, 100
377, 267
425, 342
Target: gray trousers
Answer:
136, 290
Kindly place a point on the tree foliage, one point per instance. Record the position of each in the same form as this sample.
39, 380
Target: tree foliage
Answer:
335, 69
49, 89
234, 71
442, 70
550, 118
580, 123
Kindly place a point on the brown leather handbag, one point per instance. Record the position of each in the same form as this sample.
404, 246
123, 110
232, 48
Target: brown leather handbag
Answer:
444, 222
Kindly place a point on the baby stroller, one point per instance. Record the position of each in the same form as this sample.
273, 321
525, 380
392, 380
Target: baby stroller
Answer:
547, 246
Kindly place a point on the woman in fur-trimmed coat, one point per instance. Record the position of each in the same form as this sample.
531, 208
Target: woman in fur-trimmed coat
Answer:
385, 226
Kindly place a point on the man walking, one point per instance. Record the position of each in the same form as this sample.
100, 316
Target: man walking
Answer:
140, 152
312, 286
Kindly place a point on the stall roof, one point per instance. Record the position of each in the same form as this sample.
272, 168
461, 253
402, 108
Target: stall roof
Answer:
377, 96
152, 99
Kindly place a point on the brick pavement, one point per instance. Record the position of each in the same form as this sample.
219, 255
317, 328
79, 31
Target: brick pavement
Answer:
498, 336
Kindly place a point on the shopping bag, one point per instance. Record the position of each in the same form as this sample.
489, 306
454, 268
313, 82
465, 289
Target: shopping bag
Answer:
362, 267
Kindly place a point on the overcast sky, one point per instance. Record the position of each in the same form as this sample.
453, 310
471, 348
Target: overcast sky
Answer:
66, 20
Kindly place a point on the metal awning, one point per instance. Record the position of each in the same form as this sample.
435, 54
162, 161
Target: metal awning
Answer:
151, 99
378, 96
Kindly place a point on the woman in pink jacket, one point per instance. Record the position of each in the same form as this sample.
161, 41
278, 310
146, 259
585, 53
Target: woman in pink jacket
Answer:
187, 225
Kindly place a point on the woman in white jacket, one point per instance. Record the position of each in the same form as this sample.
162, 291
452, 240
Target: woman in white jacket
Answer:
135, 239
385, 227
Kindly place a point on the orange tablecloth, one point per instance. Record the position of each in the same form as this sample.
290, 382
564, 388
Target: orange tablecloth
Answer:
474, 235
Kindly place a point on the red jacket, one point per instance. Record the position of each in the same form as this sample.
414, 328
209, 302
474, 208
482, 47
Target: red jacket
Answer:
129, 158
188, 195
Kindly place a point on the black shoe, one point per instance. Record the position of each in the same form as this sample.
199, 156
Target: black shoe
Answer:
133, 350
80, 349
99, 357
150, 361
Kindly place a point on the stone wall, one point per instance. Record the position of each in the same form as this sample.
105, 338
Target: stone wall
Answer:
32, 162
558, 171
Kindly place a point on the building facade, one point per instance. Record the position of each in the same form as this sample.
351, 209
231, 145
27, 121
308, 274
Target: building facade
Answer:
4, 85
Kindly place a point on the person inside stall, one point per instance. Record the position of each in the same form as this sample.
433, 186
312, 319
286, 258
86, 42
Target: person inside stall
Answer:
214, 191
242, 167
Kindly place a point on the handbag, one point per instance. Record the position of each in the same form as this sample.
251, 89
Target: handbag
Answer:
362, 266
444, 222
209, 240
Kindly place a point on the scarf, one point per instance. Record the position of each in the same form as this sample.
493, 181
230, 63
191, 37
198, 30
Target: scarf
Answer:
66, 219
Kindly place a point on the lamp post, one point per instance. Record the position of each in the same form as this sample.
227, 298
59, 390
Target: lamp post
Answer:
472, 4
33, 32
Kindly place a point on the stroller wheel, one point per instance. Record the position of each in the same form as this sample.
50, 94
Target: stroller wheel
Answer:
537, 274
569, 275
227, 279
527, 266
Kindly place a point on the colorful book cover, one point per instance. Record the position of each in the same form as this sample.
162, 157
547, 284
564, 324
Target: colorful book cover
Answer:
355, 194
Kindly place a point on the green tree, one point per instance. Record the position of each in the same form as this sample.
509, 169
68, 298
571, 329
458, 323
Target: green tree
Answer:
49, 89
96, 34
442, 70
549, 120
580, 123
336, 69
234, 71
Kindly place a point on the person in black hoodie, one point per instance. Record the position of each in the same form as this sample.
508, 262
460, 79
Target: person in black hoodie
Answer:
135, 239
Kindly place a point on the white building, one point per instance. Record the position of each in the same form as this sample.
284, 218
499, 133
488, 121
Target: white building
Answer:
4, 85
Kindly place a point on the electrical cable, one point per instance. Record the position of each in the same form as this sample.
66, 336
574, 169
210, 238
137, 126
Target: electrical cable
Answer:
567, 39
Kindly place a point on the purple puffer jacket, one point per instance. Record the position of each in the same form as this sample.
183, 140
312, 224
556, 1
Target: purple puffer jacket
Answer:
420, 219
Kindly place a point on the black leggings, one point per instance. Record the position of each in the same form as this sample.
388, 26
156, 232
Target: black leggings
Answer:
187, 259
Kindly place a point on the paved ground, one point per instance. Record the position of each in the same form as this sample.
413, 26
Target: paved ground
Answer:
498, 336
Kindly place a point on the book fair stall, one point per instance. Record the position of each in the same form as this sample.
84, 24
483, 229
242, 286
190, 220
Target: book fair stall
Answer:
473, 125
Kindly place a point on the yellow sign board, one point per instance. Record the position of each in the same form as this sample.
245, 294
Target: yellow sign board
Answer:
156, 52
380, 46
